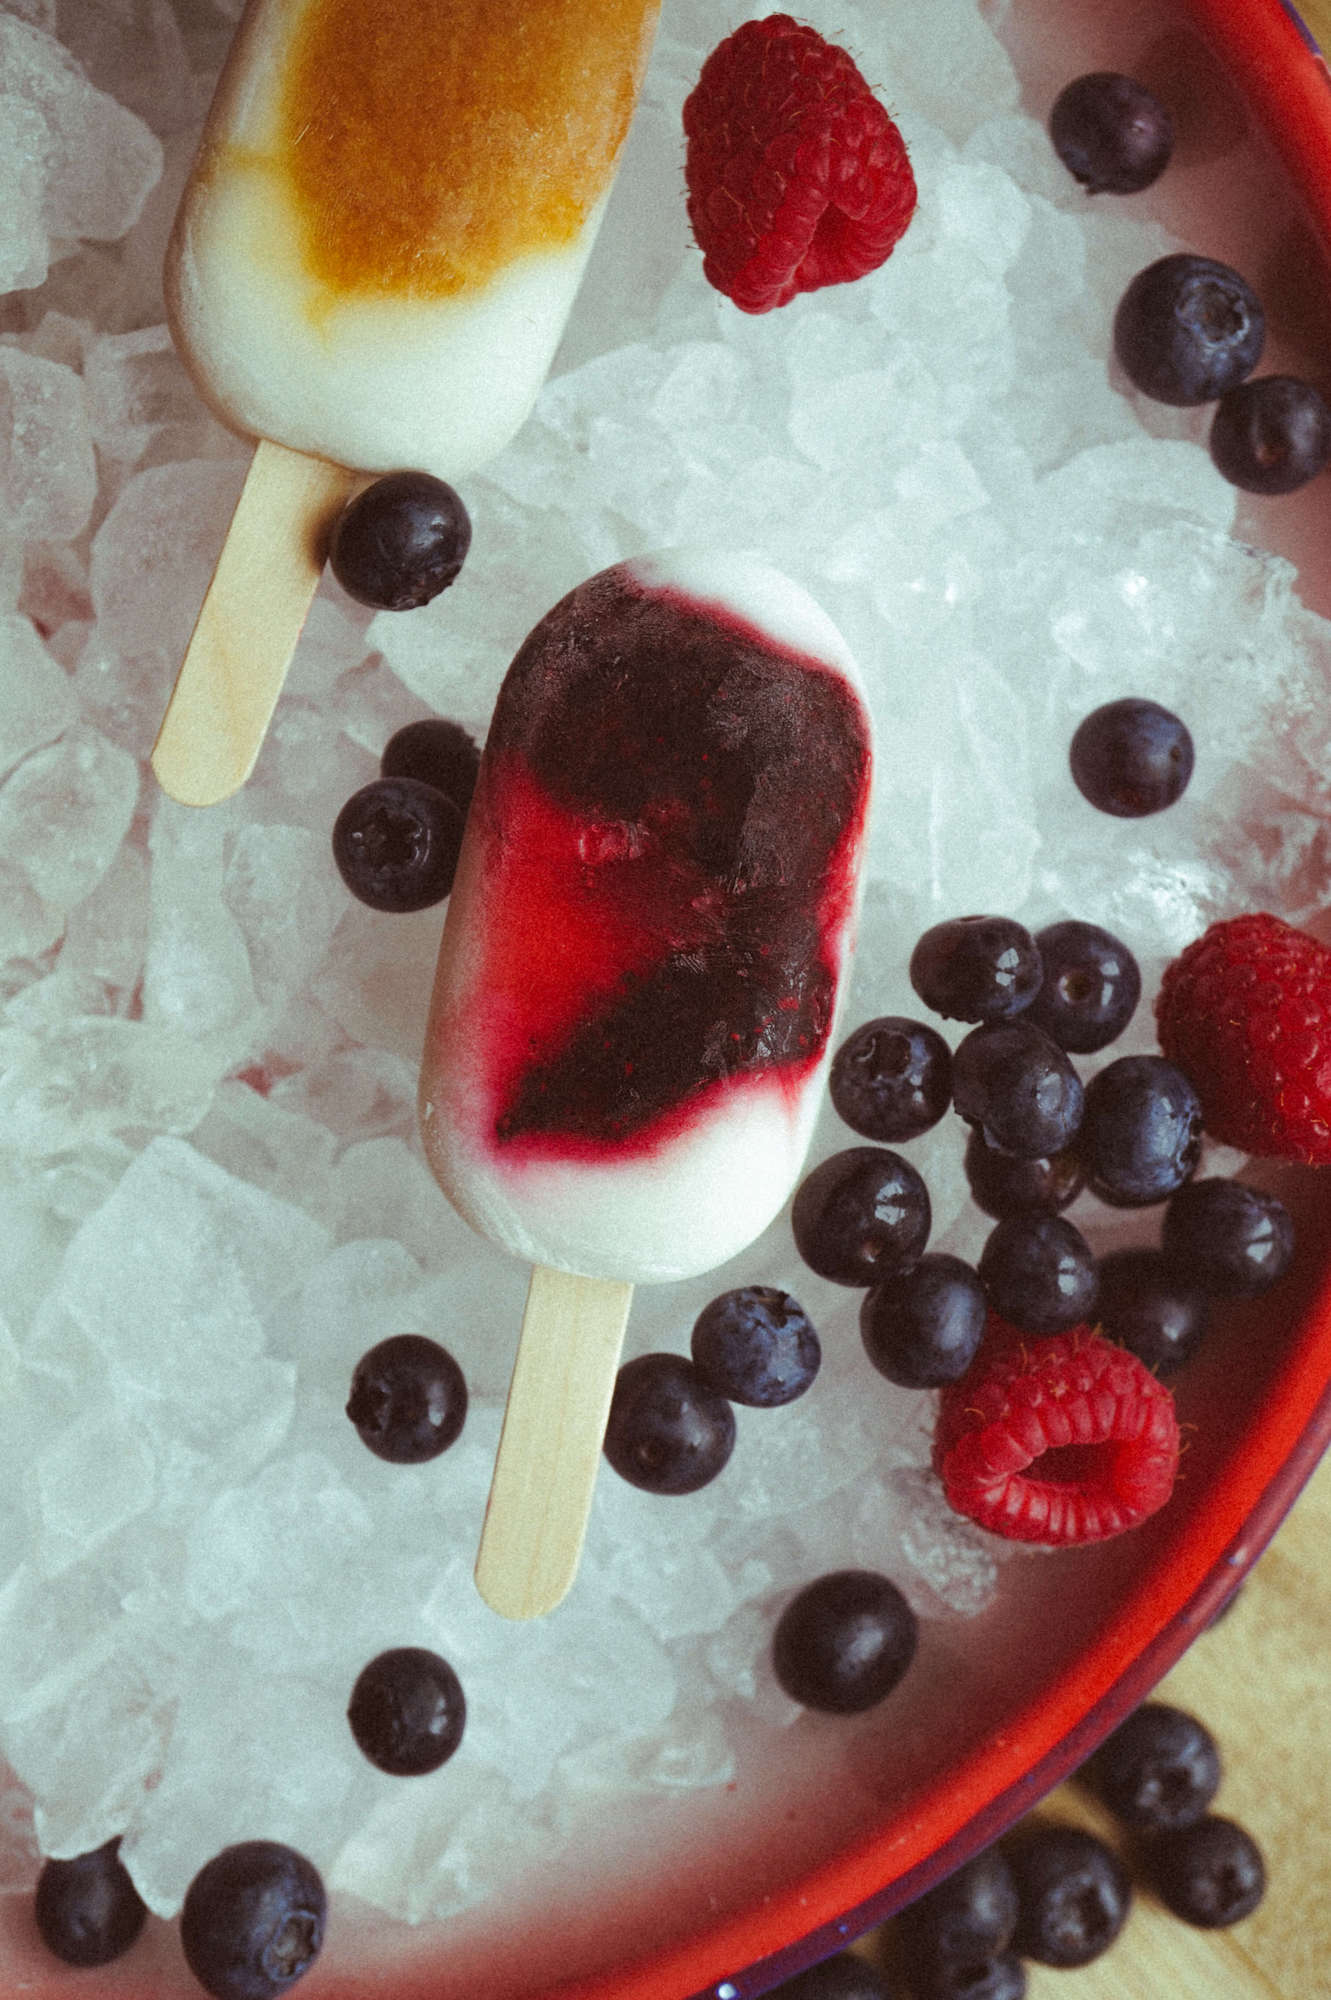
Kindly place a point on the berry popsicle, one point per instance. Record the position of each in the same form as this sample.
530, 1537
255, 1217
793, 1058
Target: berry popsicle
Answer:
637, 980
371, 268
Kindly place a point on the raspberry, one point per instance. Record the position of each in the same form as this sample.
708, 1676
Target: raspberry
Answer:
797, 176
1061, 1440
1245, 1012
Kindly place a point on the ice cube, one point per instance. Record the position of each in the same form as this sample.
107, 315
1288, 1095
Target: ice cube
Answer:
172, 1279
154, 554
93, 1479
75, 161
48, 476
282, 890
95, 1075
137, 389
39, 697
134, 51
64, 812
197, 969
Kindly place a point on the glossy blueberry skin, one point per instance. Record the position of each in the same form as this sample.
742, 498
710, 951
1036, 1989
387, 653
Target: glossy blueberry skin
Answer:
986, 1976
1141, 1137
396, 844
1159, 1770
252, 1922
968, 1917
1018, 1088
1271, 435
1131, 758
407, 1711
1090, 989
891, 1079
1073, 1894
400, 541
976, 968
1229, 1239
1004, 1184
87, 1909
1111, 133
1145, 1306
845, 1977
861, 1214
844, 1642
435, 752
668, 1431
408, 1399
1187, 329
1039, 1273
924, 1327
756, 1345
1210, 1873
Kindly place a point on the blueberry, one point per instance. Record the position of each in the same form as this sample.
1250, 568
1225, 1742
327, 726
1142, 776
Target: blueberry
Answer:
970, 1916
1111, 133
668, 1431
1210, 1873
1005, 1184
923, 1327
1039, 1273
1159, 1770
253, 1920
407, 1711
87, 1909
396, 844
408, 1399
1272, 435
1090, 989
757, 1346
1073, 1894
892, 1079
844, 1642
400, 542
1018, 1088
845, 1977
1187, 329
1227, 1238
985, 1976
861, 1214
1141, 1136
976, 968
435, 752
1145, 1306
1131, 758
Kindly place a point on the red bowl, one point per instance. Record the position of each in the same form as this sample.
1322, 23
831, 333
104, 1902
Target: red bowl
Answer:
987, 1722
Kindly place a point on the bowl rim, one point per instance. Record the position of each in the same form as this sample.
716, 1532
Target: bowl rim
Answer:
1265, 46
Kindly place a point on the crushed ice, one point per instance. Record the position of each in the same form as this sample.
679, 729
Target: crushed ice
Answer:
211, 1195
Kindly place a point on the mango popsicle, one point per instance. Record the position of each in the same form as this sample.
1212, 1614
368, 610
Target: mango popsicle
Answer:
639, 970
373, 263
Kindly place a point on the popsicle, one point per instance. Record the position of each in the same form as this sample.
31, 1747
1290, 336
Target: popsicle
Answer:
637, 980
370, 270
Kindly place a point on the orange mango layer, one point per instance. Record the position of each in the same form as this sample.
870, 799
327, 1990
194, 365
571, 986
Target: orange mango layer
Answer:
428, 143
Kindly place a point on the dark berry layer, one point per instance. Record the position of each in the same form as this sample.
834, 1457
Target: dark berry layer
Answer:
689, 798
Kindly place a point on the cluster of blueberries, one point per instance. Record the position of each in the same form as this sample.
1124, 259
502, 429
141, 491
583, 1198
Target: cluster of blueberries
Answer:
1131, 1135
1058, 1895
1189, 330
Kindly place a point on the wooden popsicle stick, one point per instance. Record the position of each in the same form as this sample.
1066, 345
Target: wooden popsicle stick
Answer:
247, 629
550, 1445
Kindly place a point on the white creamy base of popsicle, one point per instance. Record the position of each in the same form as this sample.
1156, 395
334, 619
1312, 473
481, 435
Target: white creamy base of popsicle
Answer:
689, 1204
439, 384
